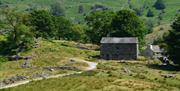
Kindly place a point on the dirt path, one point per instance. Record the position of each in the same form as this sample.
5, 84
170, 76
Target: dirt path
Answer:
92, 66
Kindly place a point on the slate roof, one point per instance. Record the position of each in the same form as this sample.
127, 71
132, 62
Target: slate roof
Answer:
156, 48
129, 40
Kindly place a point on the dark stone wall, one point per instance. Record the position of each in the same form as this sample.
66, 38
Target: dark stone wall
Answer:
119, 51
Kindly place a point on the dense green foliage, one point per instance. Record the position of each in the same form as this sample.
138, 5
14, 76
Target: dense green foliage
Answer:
23, 28
173, 41
23, 39
19, 36
99, 25
54, 27
121, 24
62, 28
79, 33
176, 24
127, 24
43, 23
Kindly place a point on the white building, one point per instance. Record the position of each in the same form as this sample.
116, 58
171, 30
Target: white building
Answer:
153, 51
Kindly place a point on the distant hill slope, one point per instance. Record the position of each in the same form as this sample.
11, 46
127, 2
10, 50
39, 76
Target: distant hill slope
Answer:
71, 6
158, 33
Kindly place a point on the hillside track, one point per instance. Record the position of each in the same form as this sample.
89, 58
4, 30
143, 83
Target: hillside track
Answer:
92, 66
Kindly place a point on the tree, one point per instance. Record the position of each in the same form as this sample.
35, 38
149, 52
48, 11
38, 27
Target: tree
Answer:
57, 9
173, 42
49, 26
79, 33
43, 24
62, 28
127, 24
160, 5
176, 24
23, 41
150, 13
99, 25
19, 36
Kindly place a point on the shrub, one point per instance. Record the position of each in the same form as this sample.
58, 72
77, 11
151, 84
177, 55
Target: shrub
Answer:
150, 13
159, 5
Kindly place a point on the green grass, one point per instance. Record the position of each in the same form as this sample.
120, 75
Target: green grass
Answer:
110, 76
49, 53
143, 75
71, 6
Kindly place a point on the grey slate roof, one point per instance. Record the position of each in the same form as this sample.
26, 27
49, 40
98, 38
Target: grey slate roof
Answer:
119, 40
156, 48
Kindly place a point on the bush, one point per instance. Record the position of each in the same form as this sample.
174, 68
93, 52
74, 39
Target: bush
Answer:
150, 13
159, 5
42, 22
173, 41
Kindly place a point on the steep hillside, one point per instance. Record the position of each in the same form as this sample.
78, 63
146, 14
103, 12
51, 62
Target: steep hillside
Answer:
72, 7
158, 33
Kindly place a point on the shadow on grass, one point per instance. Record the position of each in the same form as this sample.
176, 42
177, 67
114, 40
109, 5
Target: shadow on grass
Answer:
95, 56
169, 67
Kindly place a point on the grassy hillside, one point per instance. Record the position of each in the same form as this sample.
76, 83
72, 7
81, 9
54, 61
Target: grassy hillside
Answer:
48, 54
142, 75
71, 6
112, 76
158, 33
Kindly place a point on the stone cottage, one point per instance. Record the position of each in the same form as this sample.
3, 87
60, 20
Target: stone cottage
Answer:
153, 51
119, 48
